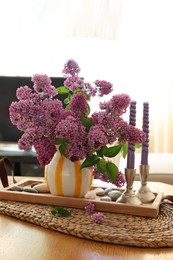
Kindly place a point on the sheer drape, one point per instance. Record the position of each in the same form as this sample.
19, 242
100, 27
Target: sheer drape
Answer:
127, 42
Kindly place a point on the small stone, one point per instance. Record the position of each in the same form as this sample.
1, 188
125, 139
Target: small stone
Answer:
16, 188
42, 188
100, 192
105, 198
34, 183
90, 194
30, 190
114, 195
107, 190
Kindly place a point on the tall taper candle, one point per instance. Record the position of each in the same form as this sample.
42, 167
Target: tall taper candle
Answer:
145, 128
131, 146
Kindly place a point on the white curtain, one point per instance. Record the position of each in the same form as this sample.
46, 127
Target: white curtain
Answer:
126, 42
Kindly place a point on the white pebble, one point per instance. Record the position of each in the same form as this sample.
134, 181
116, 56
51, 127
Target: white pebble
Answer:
105, 198
90, 194
114, 195
100, 192
42, 188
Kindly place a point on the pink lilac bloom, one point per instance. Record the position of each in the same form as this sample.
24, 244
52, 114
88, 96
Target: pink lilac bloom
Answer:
103, 87
73, 83
99, 118
89, 90
45, 150
71, 67
90, 207
117, 105
23, 93
109, 122
129, 133
78, 104
72, 129
30, 136
52, 110
42, 83
119, 182
44, 119
97, 217
97, 137
78, 151
65, 113
25, 142
21, 113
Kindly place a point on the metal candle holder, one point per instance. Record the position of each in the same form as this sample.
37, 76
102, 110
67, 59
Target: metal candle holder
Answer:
129, 196
144, 193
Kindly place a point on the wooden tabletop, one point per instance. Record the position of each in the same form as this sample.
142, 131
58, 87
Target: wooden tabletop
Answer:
21, 240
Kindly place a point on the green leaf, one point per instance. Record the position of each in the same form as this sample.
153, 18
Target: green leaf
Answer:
63, 148
112, 151
67, 107
101, 166
86, 122
90, 161
89, 109
112, 171
62, 90
124, 150
77, 90
59, 141
100, 152
66, 100
60, 212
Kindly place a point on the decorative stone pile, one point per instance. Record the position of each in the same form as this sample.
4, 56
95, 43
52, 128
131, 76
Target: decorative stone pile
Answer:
107, 194
34, 188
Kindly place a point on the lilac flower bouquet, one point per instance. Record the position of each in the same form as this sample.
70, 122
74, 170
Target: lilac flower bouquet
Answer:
49, 122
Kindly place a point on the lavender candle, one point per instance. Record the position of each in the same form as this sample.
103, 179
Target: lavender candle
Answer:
145, 128
131, 146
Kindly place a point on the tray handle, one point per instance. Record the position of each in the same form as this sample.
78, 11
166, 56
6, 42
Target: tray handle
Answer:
5, 164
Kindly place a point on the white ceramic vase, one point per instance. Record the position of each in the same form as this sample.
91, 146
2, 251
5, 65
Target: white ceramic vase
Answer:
64, 177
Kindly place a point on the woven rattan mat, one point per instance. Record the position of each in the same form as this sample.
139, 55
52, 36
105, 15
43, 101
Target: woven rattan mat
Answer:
118, 229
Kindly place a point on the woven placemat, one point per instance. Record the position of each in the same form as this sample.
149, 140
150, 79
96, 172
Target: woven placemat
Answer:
118, 229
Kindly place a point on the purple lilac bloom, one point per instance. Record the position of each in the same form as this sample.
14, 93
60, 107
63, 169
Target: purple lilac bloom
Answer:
42, 118
90, 207
71, 67
72, 129
42, 83
78, 104
129, 133
78, 151
73, 83
52, 110
26, 141
97, 137
23, 93
103, 87
110, 123
89, 89
119, 182
117, 105
97, 217
65, 113
45, 150
21, 114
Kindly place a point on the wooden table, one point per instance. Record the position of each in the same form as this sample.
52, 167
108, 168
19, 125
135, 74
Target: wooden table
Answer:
21, 240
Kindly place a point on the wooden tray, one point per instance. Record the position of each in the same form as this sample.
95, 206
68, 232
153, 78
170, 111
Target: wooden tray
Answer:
147, 210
